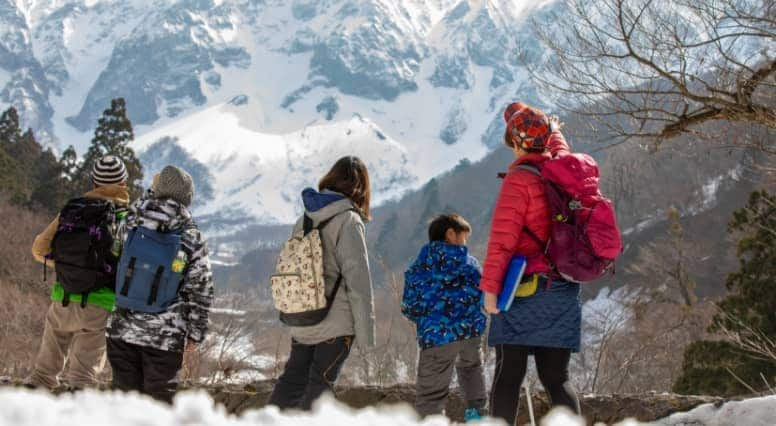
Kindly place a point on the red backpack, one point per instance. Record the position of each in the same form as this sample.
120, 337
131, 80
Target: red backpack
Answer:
584, 238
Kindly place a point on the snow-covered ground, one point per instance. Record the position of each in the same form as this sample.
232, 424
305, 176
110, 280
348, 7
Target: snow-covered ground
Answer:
750, 412
23, 407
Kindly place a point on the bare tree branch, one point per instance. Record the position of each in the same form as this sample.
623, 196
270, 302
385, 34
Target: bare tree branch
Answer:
659, 68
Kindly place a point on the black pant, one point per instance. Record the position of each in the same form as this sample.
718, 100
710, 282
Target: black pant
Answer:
552, 365
310, 371
143, 369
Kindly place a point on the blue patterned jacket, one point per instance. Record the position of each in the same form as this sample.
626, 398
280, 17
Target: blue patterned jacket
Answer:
441, 295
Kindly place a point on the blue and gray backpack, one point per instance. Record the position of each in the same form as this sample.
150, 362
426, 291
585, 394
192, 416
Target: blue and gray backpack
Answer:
150, 270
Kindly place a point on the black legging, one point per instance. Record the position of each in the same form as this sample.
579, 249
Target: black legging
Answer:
511, 364
310, 371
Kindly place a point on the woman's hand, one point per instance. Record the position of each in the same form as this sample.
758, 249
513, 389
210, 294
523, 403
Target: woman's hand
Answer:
491, 303
556, 123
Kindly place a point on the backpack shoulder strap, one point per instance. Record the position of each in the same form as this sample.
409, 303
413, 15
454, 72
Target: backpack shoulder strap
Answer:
307, 224
530, 168
122, 213
534, 236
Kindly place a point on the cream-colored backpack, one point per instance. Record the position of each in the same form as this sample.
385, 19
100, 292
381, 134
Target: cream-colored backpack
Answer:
298, 285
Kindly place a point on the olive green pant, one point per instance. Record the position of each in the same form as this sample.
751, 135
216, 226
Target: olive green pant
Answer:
72, 336
435, 372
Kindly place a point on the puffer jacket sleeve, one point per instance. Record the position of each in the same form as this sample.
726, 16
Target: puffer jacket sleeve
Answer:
41, 247
415, 301
505, 230
558, 145
197, 289
352, 258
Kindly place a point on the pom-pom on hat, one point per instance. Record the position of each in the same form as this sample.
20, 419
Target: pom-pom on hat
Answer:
527, 126
513, 109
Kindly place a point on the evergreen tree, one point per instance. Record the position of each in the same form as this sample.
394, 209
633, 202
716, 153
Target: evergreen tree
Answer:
737, 365
10, 132
9, 177
26, 150
32, 176
113, 136
51, 190
70, 168
69, 162
17, 153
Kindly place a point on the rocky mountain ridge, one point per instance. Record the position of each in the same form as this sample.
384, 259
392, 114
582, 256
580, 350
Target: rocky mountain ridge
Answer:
244, 86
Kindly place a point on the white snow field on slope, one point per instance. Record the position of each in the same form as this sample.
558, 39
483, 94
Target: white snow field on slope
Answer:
80, 39
21, 407
263, 173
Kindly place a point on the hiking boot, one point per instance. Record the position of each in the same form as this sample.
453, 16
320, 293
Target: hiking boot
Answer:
472, 415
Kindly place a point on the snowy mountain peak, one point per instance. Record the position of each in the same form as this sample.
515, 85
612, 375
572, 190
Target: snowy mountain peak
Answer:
426, 77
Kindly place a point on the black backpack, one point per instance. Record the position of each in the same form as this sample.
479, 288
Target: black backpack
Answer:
81, 248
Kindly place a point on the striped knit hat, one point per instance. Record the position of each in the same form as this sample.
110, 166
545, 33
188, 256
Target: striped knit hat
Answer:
109, 170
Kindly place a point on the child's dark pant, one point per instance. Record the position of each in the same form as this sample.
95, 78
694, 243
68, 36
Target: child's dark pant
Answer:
310, 371
147, 370
435, 372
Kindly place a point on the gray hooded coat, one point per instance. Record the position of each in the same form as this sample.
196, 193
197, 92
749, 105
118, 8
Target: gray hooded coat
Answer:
345, 253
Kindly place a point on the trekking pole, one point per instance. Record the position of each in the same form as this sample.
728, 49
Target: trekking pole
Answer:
527, 387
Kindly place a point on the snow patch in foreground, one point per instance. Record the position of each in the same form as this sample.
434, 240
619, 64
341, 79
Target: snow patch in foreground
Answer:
93, 408
750, 412
21, 407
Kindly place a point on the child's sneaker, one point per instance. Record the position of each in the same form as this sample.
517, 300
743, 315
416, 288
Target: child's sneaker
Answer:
472, 415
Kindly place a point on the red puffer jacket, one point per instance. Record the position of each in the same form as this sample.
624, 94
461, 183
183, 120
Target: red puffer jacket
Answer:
521, 203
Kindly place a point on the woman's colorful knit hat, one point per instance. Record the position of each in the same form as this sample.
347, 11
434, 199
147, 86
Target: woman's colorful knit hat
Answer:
527, 126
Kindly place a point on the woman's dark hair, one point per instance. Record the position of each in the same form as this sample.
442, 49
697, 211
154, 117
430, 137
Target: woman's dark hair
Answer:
350, 178
508, 139
440, 224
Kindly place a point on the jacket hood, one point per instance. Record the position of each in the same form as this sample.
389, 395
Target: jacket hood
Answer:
443, 257
160, 214
115, 193
320, 206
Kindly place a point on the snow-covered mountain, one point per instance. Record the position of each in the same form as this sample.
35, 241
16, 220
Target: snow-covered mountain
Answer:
265, 95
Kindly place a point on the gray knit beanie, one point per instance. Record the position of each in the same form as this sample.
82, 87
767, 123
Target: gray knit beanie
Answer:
176, 184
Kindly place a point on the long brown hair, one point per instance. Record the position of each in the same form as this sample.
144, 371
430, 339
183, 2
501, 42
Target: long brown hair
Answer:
350, 178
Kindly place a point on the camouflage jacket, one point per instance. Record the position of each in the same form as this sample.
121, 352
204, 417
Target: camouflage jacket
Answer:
441, 295
187, 316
